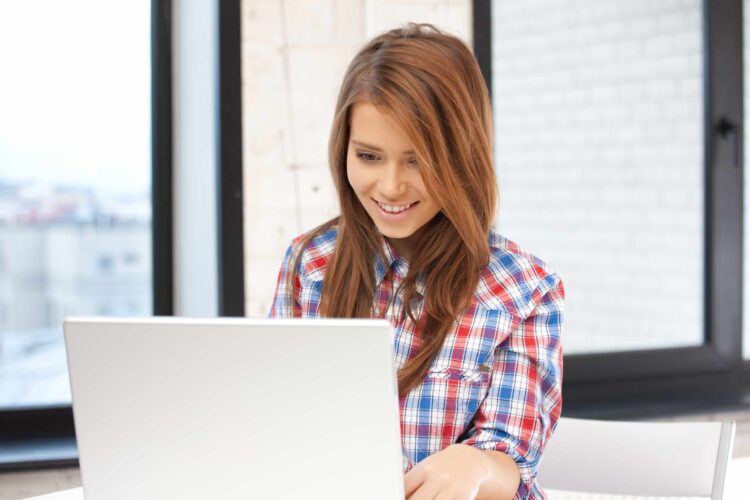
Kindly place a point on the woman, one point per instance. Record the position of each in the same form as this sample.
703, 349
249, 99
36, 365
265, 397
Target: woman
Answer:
477, 320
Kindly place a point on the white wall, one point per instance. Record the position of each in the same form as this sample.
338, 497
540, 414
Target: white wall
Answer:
599, 152
294, 55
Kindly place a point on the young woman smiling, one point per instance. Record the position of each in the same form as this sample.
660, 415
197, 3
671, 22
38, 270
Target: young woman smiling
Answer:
477, 320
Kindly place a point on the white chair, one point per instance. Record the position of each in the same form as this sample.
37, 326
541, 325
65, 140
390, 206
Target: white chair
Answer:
638, 458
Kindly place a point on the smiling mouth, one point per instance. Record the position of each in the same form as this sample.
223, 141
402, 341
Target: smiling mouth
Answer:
394, 209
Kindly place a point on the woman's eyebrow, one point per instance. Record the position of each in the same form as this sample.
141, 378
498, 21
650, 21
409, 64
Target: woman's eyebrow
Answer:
375, 148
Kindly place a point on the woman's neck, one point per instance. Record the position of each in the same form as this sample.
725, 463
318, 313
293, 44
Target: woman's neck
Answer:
403, 246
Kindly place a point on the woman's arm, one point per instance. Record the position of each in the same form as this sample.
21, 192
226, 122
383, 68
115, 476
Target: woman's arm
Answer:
461, 471
500, 451
524, 401
504, 477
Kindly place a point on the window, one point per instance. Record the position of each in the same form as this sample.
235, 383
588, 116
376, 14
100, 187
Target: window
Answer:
62, 225
76, 180
614, 168
598, 127
131, 258
105, 263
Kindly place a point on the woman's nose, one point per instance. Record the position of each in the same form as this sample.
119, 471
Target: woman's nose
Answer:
392, 183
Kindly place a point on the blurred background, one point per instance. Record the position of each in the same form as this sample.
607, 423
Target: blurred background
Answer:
157, 157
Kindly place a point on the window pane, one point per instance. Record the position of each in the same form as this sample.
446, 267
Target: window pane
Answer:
75, 209
599, 150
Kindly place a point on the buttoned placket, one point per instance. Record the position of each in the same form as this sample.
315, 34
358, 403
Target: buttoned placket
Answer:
398, 265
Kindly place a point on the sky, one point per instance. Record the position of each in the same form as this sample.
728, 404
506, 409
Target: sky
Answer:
75, 93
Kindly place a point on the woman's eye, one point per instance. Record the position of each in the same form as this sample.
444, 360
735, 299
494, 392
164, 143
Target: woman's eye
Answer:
367, 156
413, 163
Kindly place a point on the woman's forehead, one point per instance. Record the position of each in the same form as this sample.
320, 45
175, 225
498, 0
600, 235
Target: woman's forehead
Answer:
376, 125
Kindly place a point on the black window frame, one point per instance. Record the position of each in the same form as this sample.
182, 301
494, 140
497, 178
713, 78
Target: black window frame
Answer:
231, 222
44, 437
714, 376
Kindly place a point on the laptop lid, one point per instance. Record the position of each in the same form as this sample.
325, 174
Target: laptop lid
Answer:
235, 408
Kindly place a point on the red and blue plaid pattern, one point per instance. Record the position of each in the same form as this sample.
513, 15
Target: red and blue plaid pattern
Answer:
496, 382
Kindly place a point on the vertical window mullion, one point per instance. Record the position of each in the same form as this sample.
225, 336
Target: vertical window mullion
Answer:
230, 221
161, 156
723, 157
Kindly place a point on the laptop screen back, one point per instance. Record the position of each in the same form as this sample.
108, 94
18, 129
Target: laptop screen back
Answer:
230, 408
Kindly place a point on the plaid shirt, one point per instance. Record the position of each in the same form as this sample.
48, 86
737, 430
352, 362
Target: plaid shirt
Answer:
495, 383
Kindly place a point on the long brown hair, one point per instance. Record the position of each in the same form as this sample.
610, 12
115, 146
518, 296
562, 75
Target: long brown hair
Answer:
430, 83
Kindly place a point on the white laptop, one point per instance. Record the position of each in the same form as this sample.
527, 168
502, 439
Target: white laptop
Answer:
235, 408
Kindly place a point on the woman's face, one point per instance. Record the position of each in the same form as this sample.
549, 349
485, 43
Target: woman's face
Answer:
381, 168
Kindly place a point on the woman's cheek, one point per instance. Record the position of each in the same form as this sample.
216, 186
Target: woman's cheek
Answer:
358, 180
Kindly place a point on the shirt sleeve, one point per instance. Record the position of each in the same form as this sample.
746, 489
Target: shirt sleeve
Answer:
286, 300
524, 399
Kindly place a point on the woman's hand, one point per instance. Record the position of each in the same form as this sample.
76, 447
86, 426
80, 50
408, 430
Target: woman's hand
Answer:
454, 473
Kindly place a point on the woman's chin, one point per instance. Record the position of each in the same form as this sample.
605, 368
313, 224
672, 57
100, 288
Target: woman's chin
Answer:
396, 234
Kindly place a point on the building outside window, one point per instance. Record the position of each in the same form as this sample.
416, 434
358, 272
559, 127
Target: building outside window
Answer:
75, 182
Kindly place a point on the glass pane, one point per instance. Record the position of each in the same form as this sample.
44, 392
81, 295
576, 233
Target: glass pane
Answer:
599, 150
75, 209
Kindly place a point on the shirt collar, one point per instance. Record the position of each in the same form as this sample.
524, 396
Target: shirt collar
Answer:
397, 263
400, 265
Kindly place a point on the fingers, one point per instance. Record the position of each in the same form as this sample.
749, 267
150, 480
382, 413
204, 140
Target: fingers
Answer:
413, 480
444, 496
423, 493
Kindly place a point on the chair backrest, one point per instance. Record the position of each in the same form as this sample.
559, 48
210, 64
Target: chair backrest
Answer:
638, 458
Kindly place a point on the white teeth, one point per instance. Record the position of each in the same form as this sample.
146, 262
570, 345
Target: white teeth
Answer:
394, 209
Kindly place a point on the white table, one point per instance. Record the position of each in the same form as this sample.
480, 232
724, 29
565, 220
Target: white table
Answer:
737, 487
72, 494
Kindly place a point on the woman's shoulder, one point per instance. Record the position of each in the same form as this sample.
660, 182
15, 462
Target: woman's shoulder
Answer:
316, 253
514, 279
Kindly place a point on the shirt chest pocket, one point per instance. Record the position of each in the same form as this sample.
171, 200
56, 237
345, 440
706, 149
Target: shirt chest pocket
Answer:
454, 396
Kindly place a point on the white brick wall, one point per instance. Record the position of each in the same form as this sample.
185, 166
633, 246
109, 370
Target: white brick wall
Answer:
295, 53
598, 111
